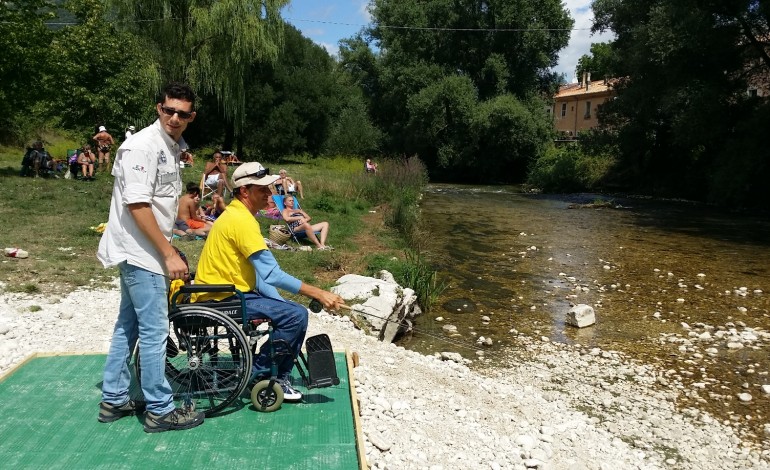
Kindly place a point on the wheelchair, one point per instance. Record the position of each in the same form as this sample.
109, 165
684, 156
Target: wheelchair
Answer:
210, 348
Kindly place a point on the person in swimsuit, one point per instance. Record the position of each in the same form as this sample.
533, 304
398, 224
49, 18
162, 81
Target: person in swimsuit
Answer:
286, 185
86, 160
215, 174
104, 143
189, 211
299, 221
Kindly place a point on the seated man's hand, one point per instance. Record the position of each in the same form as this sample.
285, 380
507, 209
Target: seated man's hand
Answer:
331, 301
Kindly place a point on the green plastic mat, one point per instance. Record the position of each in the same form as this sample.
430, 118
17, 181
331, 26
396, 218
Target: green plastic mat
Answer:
50, 405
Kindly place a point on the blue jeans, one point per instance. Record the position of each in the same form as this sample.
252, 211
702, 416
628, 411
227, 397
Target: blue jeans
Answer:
289, 324
143, 315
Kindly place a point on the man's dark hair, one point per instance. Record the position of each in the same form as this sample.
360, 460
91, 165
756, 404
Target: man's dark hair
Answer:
178, 91
193, 188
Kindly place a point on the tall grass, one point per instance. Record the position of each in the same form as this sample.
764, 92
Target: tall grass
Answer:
397, 186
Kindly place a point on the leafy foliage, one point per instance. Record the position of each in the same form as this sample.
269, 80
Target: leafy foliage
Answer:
106, 80
24, 39
210, 45
682, 114
451, 74
302, 103
600, 63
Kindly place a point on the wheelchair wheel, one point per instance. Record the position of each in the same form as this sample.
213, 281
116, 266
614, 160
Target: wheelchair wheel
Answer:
267, 399
208, 359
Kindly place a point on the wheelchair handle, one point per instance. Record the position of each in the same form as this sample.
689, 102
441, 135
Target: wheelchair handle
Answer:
196, 288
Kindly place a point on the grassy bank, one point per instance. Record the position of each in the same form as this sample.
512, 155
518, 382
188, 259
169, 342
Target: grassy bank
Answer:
372, 217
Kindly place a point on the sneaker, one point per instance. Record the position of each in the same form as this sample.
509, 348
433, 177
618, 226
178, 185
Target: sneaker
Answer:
176, 420
289, 393
109, 413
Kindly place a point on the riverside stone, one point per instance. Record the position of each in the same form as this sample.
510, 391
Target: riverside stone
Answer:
581, 315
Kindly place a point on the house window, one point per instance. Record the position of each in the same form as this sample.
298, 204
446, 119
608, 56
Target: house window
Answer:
752, 92
588, 110
563, 109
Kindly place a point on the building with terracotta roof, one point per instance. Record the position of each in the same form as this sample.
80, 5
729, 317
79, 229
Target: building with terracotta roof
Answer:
575, 105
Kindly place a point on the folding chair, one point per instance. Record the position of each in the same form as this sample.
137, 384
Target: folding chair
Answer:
207, 191
279, 204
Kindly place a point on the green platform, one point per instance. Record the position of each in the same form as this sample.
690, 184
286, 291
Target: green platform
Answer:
50, 404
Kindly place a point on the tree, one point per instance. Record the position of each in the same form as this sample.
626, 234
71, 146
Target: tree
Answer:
24, 40
303, 103
460, 36
442, 61
98, 74
599, 64
210, 45
683, 102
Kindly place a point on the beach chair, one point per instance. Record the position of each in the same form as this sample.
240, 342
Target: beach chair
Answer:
279, 204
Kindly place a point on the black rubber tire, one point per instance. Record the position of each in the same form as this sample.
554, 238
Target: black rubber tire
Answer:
266, 399
213, 363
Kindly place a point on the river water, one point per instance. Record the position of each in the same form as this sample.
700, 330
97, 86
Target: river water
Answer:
672, 283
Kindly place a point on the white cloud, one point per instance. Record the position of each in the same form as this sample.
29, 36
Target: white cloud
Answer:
310, 32
323, 13
363, 10
580, 39
332, 49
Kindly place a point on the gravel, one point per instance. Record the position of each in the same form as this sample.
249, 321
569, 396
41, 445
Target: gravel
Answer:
558, 407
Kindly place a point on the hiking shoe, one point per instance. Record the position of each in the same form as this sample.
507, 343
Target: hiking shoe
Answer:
109, 413
289, 393
176, 420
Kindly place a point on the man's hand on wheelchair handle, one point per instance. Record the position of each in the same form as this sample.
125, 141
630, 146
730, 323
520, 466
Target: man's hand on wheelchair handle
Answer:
177, 269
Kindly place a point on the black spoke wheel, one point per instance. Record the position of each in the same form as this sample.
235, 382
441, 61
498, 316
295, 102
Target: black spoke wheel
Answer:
266, 398
208, 359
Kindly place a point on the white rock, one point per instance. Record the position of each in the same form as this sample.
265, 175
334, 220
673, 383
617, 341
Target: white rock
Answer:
525, 442
745, 397
580, 316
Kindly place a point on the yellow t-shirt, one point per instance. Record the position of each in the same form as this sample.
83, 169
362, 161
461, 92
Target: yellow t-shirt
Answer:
225, 257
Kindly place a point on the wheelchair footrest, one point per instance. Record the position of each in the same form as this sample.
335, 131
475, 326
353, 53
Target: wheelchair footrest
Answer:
318, 343
321, 365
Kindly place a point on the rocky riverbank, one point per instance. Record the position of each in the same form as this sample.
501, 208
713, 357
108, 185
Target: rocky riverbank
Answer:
553, 407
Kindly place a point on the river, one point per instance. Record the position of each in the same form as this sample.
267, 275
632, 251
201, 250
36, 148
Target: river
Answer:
680, 285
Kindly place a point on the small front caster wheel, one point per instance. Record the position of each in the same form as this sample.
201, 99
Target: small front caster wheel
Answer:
266, 398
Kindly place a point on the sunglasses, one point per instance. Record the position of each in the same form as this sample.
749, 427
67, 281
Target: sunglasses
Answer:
171, 111
258, 174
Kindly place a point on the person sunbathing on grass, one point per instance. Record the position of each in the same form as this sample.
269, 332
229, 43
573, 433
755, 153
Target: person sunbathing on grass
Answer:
188, 211
299, 221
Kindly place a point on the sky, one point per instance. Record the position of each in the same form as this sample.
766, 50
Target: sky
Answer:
326, 22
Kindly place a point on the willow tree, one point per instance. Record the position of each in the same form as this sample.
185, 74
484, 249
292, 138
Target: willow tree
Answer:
209, 44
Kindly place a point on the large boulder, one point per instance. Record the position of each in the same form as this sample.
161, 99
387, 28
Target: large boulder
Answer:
386, 308
581, 315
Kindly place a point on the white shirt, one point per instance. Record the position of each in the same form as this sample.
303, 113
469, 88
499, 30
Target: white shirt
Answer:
146, 169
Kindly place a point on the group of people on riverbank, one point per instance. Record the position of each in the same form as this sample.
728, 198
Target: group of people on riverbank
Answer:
81, 164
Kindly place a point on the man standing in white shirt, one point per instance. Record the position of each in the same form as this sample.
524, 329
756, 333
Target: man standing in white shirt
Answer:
142, 213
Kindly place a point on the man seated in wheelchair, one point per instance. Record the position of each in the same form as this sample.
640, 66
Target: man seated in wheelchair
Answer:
235, 253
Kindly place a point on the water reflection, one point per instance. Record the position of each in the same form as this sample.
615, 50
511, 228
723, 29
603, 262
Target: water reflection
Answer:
650, 269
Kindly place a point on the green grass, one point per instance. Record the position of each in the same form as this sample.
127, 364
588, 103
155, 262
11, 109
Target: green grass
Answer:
51, 219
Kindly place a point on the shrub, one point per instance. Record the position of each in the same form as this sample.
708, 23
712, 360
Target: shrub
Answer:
569, 169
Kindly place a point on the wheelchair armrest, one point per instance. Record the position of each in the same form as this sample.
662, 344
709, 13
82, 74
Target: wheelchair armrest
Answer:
195, 288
